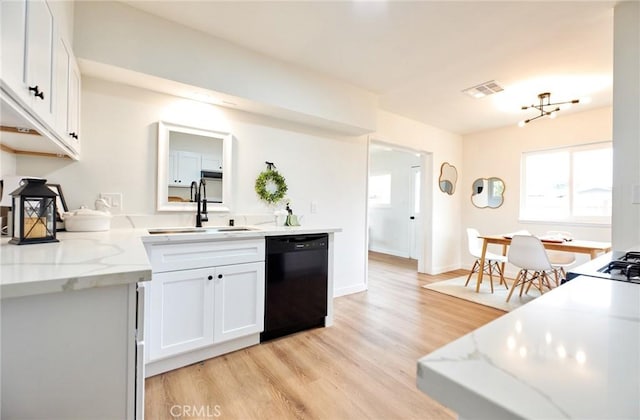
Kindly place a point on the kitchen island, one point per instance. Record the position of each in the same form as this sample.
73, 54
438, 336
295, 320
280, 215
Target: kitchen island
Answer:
71, 343
572, 353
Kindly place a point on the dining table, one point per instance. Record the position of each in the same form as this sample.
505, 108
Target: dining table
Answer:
592, 248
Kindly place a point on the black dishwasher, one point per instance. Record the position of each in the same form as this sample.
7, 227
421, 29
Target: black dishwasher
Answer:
296, 284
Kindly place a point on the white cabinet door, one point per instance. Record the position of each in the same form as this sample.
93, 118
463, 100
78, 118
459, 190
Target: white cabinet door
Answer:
239, 301
172, 169
188, 167
184, 167
73, 105
211, 163
39, 58
61, 83
181, 307
13, 43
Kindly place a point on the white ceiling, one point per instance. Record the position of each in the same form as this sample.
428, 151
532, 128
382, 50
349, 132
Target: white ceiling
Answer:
418, 56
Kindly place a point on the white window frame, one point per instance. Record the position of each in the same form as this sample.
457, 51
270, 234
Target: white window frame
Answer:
570, 219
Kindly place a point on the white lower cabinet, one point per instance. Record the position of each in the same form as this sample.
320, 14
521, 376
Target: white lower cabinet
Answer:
181, 312
238, 301
212, 302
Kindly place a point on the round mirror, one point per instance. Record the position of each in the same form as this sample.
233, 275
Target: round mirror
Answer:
487, 192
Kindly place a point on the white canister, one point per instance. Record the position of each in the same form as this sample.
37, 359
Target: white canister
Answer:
87, 220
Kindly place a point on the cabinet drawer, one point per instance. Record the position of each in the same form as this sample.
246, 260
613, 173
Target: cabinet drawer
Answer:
173, 257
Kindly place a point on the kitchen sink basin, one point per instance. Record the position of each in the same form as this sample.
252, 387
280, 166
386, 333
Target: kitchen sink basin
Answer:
213, 229
231, 229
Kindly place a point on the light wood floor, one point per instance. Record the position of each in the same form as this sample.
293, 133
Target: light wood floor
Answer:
363, 367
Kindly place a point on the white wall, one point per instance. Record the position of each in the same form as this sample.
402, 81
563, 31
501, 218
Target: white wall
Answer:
7, 163
119, 153
497, 153
441, 212
118, 35
626, 125
389, 225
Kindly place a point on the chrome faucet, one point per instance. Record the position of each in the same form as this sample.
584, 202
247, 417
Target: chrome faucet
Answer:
201, 202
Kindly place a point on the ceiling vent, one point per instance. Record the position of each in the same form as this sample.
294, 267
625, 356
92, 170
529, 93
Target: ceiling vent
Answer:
483, 89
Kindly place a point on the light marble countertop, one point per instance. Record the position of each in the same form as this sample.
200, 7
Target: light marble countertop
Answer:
83, 260
80, 260
572, 353
255, 232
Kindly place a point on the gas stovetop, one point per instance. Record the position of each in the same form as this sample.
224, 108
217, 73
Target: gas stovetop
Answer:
625, 267
620, 266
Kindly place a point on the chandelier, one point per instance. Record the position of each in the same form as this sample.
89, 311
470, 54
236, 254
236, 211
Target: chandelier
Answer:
547, 108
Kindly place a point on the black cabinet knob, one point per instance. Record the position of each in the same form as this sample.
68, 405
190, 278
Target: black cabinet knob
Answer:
219, 276
210, 278
36, 92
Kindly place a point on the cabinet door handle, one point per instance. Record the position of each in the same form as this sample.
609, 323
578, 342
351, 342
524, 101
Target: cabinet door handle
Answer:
36, 92
219, 276
210, 278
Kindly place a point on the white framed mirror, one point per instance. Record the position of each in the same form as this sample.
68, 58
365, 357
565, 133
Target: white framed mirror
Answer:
190, 154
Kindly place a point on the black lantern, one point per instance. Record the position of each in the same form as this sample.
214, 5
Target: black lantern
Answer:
34, 213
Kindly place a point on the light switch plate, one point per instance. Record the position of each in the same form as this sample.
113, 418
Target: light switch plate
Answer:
114, 200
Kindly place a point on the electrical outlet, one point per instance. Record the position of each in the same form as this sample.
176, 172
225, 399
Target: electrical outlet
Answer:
114, 200
635, 194
314, 206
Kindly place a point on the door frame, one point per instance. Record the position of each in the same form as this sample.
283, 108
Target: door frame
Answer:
425, 236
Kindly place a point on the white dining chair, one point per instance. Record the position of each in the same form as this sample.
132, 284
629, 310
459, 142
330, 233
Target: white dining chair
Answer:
528, 254
491, 261
560, 260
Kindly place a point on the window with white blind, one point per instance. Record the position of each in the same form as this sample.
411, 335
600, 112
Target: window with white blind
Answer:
570, 184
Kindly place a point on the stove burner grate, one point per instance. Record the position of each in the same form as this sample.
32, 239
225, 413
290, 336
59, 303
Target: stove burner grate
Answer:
629, 269
631, 257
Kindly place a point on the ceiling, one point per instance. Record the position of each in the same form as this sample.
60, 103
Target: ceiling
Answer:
418, 56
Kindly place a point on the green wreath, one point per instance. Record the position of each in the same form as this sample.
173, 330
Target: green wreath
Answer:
278, 180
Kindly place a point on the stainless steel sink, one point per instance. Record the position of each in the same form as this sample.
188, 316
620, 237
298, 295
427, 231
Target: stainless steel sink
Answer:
213, 229
163, 231
231, 229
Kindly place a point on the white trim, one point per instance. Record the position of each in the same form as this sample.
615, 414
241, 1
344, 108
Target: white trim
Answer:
525, 215
162, 200
425, 239
343, 291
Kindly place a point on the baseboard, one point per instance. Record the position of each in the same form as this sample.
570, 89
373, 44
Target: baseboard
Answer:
444, 269
343, 291
388, 252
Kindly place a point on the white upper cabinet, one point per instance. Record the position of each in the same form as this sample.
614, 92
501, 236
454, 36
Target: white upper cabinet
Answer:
13, 24
40, 79
39, 58
186, 168
61, 70
73, 104
211, 162
67, 94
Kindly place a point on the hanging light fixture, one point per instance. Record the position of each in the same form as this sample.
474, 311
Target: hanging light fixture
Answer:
547, 108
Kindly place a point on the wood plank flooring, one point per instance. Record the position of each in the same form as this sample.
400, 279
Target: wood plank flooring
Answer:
363, 367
